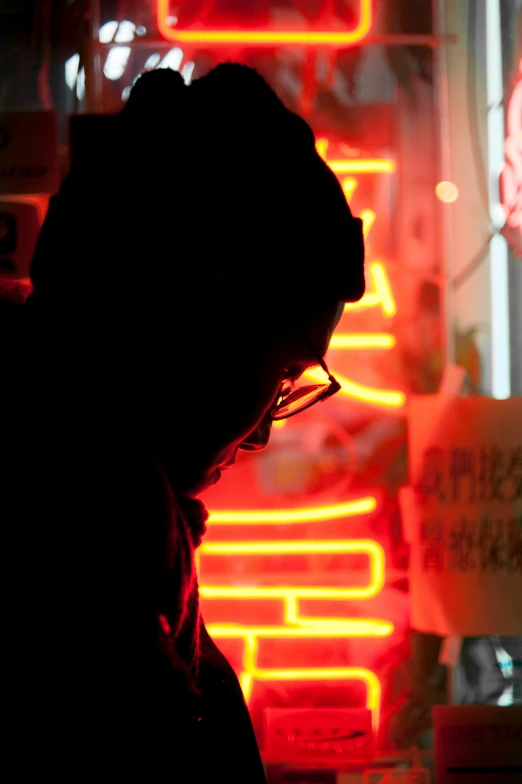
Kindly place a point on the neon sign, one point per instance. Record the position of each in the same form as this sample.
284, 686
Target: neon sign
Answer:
511, 177
220, 37
295, 625
380, 296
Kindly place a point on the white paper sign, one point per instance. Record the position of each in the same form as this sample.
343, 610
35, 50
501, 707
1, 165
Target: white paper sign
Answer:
465, 523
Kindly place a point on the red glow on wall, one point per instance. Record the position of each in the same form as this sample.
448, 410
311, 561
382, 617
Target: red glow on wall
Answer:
267, 37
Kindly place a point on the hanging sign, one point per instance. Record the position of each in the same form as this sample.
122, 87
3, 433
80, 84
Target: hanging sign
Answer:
465, 524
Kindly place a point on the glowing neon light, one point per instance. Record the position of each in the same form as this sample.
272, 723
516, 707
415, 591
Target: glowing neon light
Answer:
389, 398
361, 341
349, 185
363, 166
267, 37
368, 547
284, 592
294, 625
251, 672
331, 673
355, 165
381, 296
347, 628
321, 145
368, 219
290, 516
292, 547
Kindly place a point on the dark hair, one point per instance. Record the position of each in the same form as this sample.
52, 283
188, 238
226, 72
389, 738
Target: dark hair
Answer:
225, 151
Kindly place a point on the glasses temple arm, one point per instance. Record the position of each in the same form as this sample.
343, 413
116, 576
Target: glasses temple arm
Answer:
316, 355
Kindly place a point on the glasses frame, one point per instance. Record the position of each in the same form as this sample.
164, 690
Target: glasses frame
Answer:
329, 389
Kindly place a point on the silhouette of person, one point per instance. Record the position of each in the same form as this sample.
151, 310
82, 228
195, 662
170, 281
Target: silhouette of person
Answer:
192, 266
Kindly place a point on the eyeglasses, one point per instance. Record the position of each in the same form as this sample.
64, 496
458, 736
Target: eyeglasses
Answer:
291, 401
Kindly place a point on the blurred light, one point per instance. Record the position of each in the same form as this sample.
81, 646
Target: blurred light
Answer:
362, 341
125, 32
321, 146
141, 30
126, 92
265, 37
187, 71
172, 59
381, 296
152, 60
116, 62
349, 185
71, 70
279, 424
72, 76
368, 219
446, 191
290, 516
80, 86
106, 32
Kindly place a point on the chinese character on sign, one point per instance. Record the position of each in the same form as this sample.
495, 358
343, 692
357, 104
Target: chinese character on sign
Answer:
432, 482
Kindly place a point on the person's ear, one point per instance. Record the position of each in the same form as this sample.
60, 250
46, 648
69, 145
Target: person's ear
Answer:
196, 255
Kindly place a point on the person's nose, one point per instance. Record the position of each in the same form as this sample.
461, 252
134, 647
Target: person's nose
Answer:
258, 438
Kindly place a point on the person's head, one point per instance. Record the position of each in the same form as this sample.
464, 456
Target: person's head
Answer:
226, 250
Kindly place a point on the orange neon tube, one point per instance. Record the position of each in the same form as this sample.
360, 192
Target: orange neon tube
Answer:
381, 296
251, 672
362, 166
368, 219
365, 546
293, 547
388, 398
349, 185
354, 165
362, 341
365, 627
287, 591
371, 681
266, 37
292, 516
360, 627
373, 686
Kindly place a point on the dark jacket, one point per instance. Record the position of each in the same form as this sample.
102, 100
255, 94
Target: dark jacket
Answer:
89, 532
